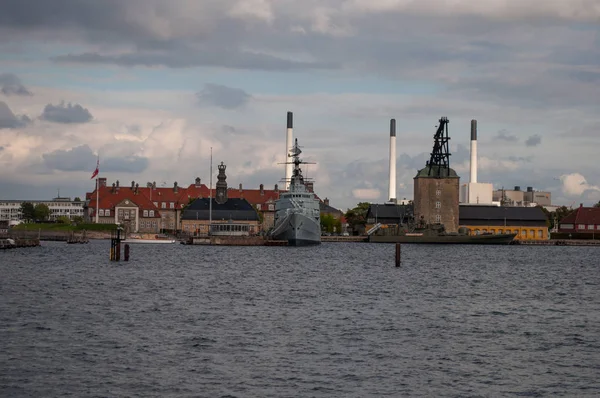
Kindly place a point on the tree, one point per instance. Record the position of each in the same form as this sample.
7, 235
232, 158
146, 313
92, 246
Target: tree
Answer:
330, 224
77, 199
357, 216
27, 211
42, 212
597, 204
78, 220
63, 220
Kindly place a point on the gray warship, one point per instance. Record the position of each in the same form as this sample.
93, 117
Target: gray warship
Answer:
297, 213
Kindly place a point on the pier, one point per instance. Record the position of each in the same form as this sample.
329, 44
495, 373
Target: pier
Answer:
18, 243
557, 242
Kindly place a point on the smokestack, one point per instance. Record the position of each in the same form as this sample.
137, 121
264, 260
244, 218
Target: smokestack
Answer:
288, 148
392, 183
473, 150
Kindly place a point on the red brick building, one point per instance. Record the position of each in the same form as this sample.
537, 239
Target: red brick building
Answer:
583, 220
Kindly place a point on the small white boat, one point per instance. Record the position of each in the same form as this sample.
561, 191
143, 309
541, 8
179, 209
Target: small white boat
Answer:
149, 241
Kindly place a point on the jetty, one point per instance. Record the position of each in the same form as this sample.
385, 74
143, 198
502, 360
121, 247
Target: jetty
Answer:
8, 243
557, 242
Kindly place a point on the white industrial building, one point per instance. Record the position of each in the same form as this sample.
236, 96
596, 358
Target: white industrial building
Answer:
10, 210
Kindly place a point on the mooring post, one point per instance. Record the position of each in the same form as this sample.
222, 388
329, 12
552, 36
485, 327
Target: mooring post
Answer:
126, 252
398, 253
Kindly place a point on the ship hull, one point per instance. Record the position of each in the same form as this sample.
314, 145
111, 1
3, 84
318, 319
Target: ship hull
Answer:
500, 239
298, 230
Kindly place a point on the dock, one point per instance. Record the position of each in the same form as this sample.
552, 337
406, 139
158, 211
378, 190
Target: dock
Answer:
557, 242
18, 243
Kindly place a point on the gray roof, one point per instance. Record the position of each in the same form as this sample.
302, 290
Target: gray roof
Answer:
488, 213
323, 208
444, 172
390, 211
234, 209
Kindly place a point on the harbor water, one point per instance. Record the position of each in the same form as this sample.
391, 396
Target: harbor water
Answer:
335, 320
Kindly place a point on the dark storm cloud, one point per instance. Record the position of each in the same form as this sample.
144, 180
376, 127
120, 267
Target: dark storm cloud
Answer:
504, 135
8, 120
67, 114
10, 84
534, 140
222, 96
81, 158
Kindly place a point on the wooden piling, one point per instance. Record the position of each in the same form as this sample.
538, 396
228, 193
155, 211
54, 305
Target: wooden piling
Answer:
398, 254
126, 254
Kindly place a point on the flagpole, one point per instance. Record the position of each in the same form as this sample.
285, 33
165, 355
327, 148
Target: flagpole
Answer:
97, 200
210, 196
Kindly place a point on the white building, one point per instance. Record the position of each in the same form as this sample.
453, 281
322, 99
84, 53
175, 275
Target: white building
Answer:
10, 210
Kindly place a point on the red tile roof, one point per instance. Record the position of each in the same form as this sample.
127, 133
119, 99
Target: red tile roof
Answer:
253, 196
583, 215
109, 199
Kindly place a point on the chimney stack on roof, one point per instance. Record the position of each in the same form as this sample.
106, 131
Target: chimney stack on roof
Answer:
175, 187
276, 188
262, 189
132, 185
197, 182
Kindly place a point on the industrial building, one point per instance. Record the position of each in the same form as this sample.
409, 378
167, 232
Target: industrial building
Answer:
517, 197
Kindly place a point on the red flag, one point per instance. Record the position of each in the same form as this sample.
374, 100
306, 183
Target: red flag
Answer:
96, 171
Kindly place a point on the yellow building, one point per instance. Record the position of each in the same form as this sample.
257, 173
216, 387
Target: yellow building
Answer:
529, 223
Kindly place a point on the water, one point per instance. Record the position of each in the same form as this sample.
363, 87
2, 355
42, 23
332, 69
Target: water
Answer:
336, 320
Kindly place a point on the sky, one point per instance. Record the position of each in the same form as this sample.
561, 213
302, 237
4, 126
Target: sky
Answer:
151, 86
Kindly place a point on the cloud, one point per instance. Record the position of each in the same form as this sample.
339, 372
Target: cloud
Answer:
129, 164
504, 135
222, 96
8, 120
533, 140
67, 114
10, 84
576, 185
81, 158
366, 193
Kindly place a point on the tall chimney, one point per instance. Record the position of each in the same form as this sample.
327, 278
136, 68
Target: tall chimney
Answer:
392, 183
473, 150
288, 149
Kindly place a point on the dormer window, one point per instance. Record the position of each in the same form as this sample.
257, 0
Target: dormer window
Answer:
101, 212
164, 205
258, 206
172, 205
145, 213
151, 213
107, 212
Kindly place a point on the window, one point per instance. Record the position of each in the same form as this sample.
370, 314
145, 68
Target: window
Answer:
145, 213
540, 234
581, 226
101, 212
151, 213
591, 226
172, 205
126, 214
523, 233
438, 205
120, 213
163, 205
438, 192
258, 206
107, 212
438, 218
271, 207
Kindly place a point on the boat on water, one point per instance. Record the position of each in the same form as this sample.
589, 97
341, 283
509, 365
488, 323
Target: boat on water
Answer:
158, 239
297, 211
436, 234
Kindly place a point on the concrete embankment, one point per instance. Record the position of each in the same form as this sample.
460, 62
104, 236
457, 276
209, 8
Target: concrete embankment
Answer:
558, 242
9, 243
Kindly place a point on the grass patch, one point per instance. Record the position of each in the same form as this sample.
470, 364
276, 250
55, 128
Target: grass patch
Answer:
59, 227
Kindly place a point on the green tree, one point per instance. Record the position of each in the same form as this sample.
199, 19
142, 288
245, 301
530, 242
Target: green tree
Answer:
42, 212
357, 216
330, 224
27, 211
64, 220
77, 199
597, 204
78, 220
